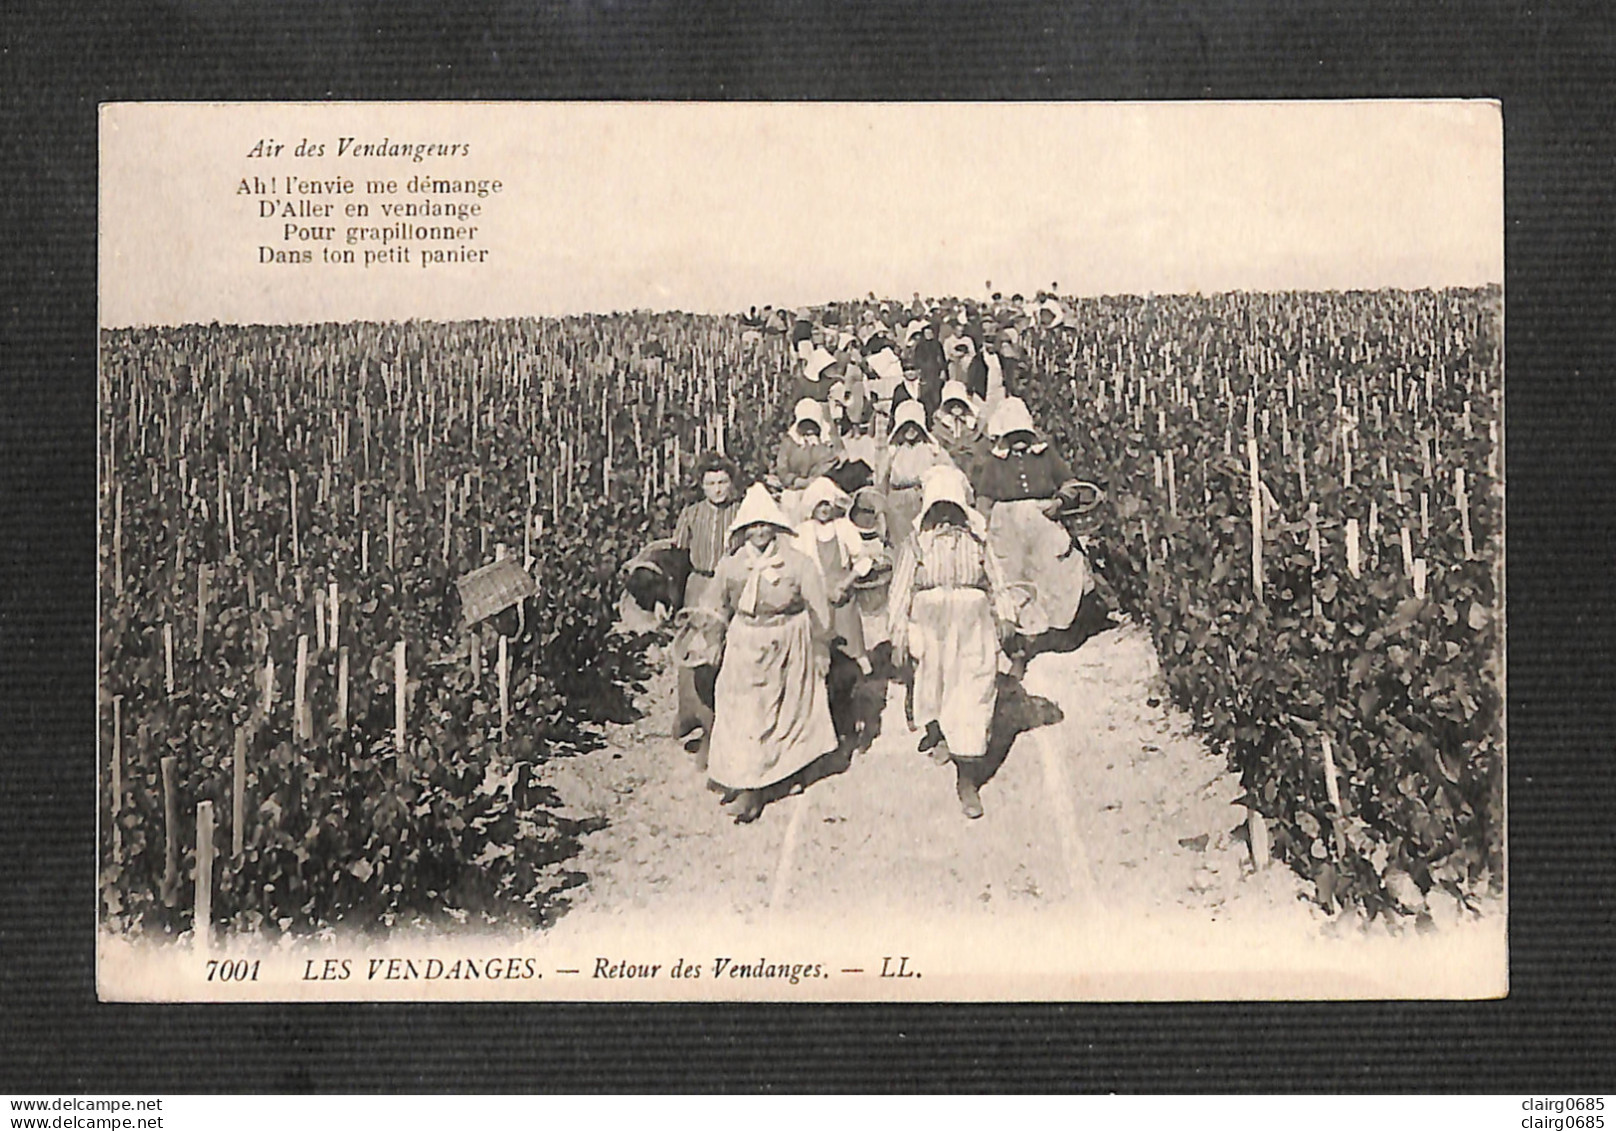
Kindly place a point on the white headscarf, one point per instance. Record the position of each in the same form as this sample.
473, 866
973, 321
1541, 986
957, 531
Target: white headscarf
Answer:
946, 483
811, 531
910, 412
810, 409
757, 507
1012, 416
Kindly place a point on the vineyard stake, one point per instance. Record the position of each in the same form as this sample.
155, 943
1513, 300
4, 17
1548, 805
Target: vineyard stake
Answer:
392, 533
238, 795
171, 843
1352, 547
1257, 834
168, 659
319, 621
1419, 577
292, 476
117, 541
342, 688
476, 658
1462, 501
300, 708
333, 605
1172, 486
364, 552
230, 520
1313, 534
1331, 787
202, 924
201, 605
504, 687
117, 775
1256, 521
400, 687
1425, 517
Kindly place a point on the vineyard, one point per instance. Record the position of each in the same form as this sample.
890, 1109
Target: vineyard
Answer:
1304, 503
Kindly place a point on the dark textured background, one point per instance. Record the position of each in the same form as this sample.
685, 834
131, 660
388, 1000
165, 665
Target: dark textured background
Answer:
1550, 64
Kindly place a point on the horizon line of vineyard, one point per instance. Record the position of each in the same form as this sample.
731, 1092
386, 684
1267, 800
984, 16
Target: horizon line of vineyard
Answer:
932, 301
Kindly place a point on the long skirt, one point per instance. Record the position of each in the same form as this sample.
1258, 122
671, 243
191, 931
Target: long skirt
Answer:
695, 706
903, 507
771, 714
848, 623
956, 650
1041, 560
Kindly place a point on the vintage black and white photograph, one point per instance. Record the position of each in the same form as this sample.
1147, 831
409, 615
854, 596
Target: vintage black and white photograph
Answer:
801, 551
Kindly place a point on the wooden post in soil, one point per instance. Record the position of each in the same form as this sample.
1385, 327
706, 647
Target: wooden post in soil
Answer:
332, 615
400, 691
202, 923
1172, 486
1352, 547
168, 660
319, 620
171, 833
201, 606
117, 541
1257, 834
504, 688
117, 776
476, 659
364, 552
448, 516
1419, 578
392, 534
1462, 502
1256, 520
300, 704
292, 479
238, 795
342, 688
1331, 786
1408, 551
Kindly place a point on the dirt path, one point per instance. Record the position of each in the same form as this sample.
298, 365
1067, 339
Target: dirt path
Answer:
1111, 805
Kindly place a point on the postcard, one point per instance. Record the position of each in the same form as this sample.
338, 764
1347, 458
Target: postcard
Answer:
801, 552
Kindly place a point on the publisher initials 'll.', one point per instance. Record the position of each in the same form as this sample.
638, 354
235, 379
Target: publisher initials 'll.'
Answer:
901, 971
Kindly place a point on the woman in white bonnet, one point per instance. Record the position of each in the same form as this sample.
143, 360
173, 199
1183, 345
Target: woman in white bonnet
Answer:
910, 453
829, 538
949, 609
771, 710
809, 449
1023, 482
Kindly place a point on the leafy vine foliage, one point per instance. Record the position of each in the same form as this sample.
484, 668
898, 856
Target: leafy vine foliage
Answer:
572, 441
1405, 689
